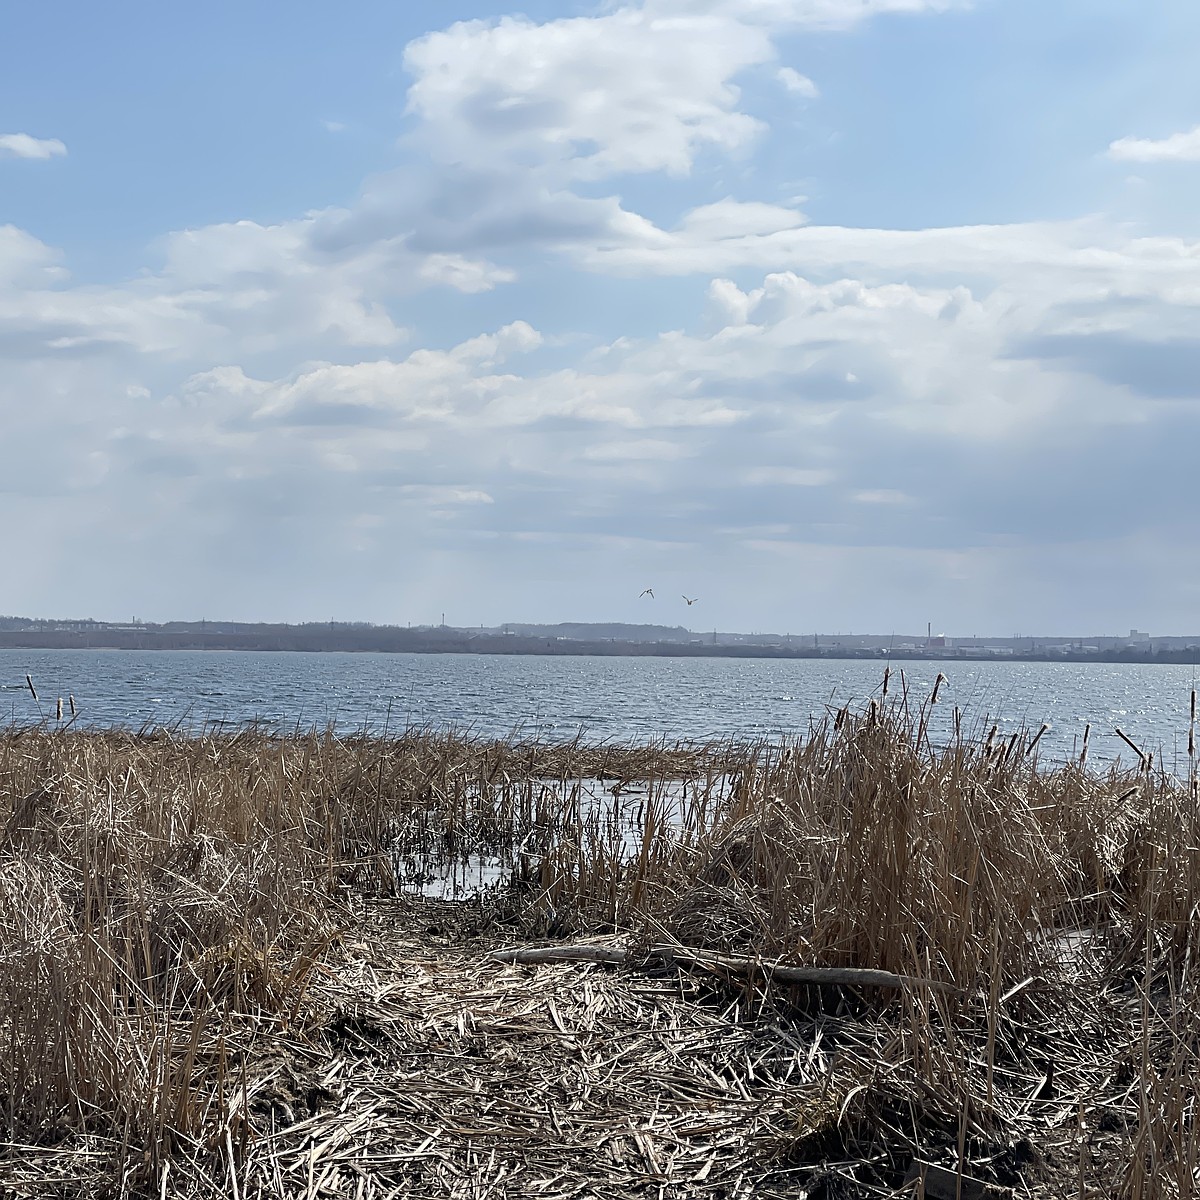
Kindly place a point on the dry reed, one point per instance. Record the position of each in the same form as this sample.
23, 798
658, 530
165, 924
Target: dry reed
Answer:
218, 974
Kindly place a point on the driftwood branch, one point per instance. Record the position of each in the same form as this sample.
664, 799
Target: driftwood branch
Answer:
720, 964
532, 955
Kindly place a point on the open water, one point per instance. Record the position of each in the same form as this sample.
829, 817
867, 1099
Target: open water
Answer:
604, 699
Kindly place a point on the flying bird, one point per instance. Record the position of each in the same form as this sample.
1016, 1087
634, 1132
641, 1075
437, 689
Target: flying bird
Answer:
691, 602
648, 592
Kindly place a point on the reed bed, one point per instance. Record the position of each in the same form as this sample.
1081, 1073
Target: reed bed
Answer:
226, 967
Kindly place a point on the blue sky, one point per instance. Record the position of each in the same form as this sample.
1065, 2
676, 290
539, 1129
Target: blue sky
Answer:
840, 314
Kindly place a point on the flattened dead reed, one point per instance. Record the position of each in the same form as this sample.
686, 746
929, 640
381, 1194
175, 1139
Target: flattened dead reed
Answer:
218, 975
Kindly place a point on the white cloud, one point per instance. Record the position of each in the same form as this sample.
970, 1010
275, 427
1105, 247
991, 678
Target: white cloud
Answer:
732, 219
836, 426
464, 274
812, 14
442, 494
516, 118
953, 411
489, 349
797, 84
636, 450
767, 400
26, 262
22, 145
1085, 257
440, 387
733, 304
596, 96
229, 290
882, 496
787, 477
1179, 147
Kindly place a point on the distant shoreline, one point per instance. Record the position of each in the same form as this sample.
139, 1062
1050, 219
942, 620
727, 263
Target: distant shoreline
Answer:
309, 640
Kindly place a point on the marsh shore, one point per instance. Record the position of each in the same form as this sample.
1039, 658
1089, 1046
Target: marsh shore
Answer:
257, 966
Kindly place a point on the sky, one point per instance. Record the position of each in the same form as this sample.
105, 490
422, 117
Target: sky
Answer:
836, 315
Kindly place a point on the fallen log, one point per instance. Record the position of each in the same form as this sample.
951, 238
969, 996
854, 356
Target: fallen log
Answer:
719, 964
532, 955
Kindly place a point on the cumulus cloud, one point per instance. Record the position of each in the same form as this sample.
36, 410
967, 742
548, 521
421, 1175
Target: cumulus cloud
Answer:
882, 496
1083, 249
239, 288
464, 274
443, 494
27, 262
841, 427
788, 476
812, 14
523, 121
732, 219
934, 416
22, 145
630, 91
734, 424
797, 84
1179, 147
636, 450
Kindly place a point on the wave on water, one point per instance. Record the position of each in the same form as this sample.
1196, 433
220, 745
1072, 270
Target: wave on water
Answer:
601, 699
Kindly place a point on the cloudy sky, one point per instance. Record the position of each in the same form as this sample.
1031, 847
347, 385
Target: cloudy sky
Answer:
837, 314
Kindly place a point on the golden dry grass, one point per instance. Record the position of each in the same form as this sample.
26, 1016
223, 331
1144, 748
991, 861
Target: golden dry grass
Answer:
214, 978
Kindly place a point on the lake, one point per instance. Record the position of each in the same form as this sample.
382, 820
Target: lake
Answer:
617, 699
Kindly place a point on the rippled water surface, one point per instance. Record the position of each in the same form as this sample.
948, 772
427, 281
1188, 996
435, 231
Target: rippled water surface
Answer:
602, 698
